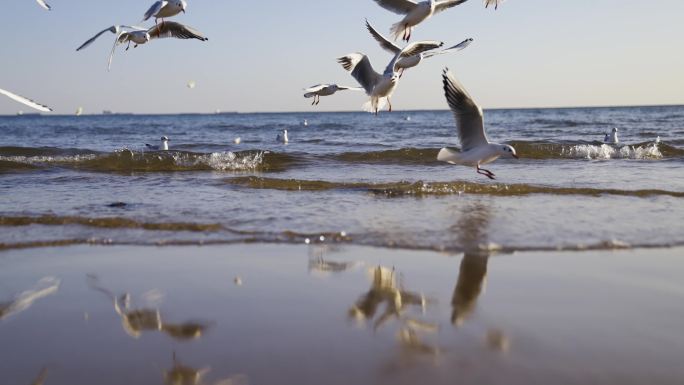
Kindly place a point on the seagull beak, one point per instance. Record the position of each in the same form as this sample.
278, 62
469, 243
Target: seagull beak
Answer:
183, 10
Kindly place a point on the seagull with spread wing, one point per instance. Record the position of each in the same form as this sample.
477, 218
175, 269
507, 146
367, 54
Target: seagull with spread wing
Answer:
411, 61
476, 149
137, 35
380, 87
325, 90
25, 101
163, 9
43, 4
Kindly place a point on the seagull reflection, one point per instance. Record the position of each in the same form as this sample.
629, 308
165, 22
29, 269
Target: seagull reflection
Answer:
137, 321
43, 288
384, 289
318, 264
471, 280
186, 375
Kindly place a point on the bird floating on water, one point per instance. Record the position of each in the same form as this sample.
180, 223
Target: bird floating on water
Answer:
612, 137
164, 146
319, 90
476, 149
282, 137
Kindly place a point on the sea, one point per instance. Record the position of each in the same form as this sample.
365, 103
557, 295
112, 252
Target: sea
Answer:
344, 177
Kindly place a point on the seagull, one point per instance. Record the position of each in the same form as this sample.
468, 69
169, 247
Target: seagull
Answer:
380, 87
164, 146
324, 90
43, 4
411, 61
137, 35
415, 13
476, 149
26, 101
162, 9
282, 138
612, 137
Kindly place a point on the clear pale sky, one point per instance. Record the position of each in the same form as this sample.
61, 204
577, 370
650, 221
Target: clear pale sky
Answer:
260, 54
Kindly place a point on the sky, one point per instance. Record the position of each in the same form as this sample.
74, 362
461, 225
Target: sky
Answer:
260, 54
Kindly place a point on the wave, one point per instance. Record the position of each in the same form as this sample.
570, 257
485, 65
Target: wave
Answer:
126, 160
422, 189
106, 222
9, 166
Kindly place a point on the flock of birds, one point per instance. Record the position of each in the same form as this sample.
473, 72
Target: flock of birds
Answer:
476, 149
128, 35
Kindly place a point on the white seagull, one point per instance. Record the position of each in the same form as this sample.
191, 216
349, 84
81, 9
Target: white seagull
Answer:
136, 35
43, 4
380, 87
282, 138
476, 149
163, 147
415, 13
163, 9
325, 90
26, 101
612, 137
411, 61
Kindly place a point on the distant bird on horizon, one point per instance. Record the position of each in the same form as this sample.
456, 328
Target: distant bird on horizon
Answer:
43, 4
476, 149
319, 90
164, 9
380, 87
137, 35
612, 137
25, 101
411, 61
164, 146
282, 137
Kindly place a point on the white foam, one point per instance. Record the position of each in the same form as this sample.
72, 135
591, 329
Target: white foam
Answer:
606, 151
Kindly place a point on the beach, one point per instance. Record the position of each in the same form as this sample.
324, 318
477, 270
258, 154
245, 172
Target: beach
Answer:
273, 314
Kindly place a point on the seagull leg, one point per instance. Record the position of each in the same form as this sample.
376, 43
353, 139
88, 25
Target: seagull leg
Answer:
390, 104
318, 99
485, 172
128, 46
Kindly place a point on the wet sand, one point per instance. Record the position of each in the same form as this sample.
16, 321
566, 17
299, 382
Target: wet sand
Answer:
296, 314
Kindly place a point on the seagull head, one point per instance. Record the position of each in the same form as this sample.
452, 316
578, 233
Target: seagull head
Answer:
615, 129
164, 139
508, 151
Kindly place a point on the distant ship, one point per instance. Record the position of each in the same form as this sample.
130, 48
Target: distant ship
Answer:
106, 112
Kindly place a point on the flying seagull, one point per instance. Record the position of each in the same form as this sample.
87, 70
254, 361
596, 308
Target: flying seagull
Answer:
43, 4
163, 9
325, 90
137, 35
415, 13
380, 87
411, 61
26, 101
476, 149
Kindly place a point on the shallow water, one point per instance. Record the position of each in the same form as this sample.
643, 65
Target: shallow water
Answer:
339, 314
352, 177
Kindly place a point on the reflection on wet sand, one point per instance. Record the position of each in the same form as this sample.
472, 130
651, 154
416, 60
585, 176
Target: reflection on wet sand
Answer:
44, 287
318, 264
136, 321
471, 280
181, 374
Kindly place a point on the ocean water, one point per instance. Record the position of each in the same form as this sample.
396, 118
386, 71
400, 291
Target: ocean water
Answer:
344, 178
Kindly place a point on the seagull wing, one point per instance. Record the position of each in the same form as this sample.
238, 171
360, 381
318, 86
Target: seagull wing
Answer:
496, 3
455, 48
115, 29
415, 48
361, 69
173, 29
25, 101
342, 88
43, 4
384, 43
120, 38
154, 9
401, 7
446, 4
316, 88
467, 114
